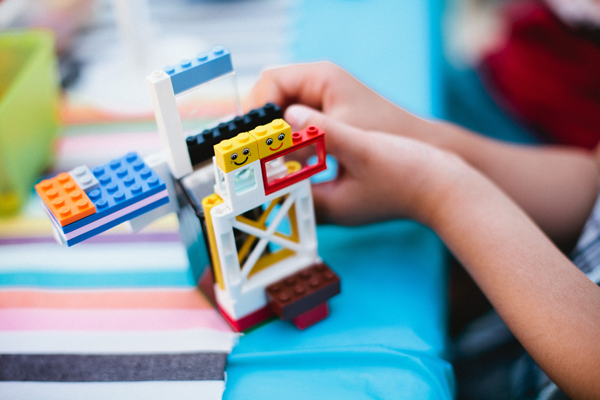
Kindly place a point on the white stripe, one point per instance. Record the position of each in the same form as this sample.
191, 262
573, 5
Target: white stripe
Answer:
8, 289
48, 257
115, 215
127, 342
168, 390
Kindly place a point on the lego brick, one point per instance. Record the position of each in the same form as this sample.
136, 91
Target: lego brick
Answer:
237, 152
311, 317
200, 147
303, 138
169, 124
114, 219
158, 163
208, 204
123, 181
241, 187
200, 69
66, 201
273, 137
198, 185
84, 178
248, 321
302, 291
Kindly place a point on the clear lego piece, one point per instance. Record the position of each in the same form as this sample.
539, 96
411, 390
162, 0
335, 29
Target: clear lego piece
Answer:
291, 163
206, 105
244, 180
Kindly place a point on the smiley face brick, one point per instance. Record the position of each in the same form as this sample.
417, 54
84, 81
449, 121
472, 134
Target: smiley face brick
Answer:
237, 152
273, 137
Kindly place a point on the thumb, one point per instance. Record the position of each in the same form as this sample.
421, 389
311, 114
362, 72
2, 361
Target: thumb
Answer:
340, 139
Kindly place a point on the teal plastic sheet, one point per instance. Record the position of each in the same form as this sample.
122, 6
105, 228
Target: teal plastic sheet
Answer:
384, 337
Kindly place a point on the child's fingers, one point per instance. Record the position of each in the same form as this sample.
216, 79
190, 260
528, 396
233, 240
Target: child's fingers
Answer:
341, 140
299, 83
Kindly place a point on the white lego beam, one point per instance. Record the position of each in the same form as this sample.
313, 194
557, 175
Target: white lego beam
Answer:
158, 162
169, 124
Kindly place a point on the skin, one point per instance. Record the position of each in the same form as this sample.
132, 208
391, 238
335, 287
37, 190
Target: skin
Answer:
495, 205
556, 186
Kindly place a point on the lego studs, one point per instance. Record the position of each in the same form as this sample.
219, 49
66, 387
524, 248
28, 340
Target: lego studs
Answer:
65, 199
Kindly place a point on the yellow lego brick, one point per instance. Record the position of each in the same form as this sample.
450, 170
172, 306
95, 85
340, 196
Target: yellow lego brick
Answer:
273, 137
208, 203
235, 153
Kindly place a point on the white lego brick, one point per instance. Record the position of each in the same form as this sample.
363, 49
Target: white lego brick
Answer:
252, 297
226, 187
158, 162
245, 294
200, 183
84, 178
169, 124
58, 237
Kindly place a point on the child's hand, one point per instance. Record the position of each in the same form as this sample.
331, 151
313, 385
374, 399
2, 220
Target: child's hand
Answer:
331, 90
381, 176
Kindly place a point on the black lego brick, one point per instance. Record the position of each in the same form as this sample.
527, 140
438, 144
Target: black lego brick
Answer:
200, 147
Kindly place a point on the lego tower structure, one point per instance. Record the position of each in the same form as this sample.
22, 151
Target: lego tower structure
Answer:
259, 223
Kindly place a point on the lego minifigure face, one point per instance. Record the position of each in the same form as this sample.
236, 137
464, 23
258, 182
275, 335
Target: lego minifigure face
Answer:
273, 137
237, 152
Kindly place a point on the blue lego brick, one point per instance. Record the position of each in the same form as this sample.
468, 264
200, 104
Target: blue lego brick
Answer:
123, 181
118, 221
201, 69
201, 146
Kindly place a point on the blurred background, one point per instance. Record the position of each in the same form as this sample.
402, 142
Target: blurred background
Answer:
73, 92
520, 70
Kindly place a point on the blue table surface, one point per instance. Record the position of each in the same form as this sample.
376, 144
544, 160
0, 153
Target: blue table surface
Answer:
386, 333
384, 337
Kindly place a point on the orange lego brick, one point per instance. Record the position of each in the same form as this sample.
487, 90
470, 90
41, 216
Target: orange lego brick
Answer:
65, 199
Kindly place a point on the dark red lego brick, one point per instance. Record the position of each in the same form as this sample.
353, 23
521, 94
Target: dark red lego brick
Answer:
311, 317
303, 291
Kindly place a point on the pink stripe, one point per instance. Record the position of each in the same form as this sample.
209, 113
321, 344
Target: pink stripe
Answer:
104, 299
110, 320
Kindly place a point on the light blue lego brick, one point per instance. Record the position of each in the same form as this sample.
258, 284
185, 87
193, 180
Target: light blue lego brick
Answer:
117, 221
84, 178
201, 69
123, 181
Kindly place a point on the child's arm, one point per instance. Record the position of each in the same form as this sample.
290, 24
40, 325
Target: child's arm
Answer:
556, 186
550, 306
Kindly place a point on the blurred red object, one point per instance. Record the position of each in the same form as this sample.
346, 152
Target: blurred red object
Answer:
546, 73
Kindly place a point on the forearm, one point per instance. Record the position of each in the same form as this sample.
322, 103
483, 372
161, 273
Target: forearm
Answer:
549, 305
556, 186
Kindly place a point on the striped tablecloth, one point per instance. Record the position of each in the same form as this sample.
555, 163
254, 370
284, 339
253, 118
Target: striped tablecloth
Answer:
116, 317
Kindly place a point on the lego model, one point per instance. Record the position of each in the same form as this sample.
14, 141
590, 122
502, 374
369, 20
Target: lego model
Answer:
242, 194
83, 203
253, 178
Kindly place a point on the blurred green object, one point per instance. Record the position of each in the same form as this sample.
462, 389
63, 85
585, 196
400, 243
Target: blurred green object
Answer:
29, 120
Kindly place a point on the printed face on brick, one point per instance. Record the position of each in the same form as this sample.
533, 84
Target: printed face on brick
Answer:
237, 152
273, 137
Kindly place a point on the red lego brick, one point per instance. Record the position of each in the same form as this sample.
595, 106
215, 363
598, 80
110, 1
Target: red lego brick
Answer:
64, 198
311, 317
303, 291
248, 321
301, 139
